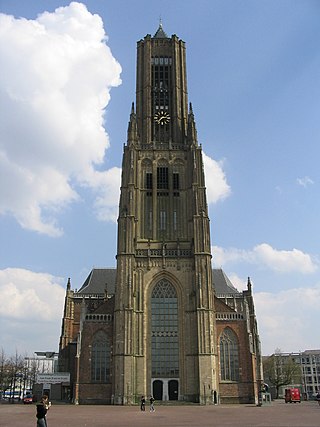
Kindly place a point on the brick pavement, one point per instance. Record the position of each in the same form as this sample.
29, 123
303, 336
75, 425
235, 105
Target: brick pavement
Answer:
278, 414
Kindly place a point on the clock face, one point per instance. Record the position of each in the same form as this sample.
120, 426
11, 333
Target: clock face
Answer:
162, 118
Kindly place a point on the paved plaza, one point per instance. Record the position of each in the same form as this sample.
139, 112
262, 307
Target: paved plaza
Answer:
278, 414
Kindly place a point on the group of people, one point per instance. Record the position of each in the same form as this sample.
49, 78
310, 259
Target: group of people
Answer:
143, 403
44, 405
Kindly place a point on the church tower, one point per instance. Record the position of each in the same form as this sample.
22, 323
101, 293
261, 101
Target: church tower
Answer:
164, 316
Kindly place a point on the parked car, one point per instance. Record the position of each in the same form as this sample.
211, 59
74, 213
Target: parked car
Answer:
292, 395
27, 399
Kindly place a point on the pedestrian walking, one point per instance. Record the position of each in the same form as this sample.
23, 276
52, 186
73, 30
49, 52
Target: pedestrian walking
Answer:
143, 403
42, 409
152, 409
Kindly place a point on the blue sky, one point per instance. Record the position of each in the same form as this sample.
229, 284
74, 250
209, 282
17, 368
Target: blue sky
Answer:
253, 80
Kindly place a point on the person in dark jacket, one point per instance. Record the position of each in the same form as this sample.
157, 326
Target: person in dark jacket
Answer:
42, 409
143, 403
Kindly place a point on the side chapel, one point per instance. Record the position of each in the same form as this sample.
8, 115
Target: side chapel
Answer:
162, 322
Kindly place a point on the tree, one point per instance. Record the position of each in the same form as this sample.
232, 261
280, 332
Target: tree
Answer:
17, 374
4, 373
281, 369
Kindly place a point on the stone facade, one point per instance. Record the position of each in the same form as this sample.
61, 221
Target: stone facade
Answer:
158, 320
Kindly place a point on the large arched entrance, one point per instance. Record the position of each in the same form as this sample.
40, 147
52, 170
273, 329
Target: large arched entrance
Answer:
165, 341
165, 389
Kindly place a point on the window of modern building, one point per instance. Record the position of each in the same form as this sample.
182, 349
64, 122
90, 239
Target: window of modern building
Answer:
229, 356
164, 330
100, 358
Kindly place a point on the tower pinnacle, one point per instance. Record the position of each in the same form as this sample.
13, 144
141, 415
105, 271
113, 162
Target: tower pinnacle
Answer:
160, 33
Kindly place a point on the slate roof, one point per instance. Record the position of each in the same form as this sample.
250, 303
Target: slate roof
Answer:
160, 34
222, 283
99, 278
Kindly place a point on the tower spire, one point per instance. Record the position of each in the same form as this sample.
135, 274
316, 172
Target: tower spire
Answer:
160, 33
191, 130
132, 127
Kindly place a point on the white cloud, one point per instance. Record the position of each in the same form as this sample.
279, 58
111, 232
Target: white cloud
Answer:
305, 181
221, 256
264, 255
31, 308
108, 187
239, 283
28, 294
284, 261
287, 319
56, 76
216, 183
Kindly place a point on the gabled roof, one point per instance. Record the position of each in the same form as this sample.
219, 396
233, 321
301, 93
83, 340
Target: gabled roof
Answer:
222, 283
101, 278
98, 281
160, 34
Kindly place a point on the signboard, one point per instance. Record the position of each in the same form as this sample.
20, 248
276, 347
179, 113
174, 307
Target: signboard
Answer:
56, 378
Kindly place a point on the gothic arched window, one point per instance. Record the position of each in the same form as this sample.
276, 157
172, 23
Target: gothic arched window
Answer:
229, 356
147, 191
163, 200
100, 358
164, 330
179, 217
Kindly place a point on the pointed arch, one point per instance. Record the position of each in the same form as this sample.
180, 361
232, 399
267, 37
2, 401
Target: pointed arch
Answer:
146, 198
164, 330
229, 355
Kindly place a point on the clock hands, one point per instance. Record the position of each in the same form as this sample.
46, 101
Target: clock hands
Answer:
162, 118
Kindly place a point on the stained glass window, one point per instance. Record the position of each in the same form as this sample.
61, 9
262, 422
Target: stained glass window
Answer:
164, 335
229, 356
100, 358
